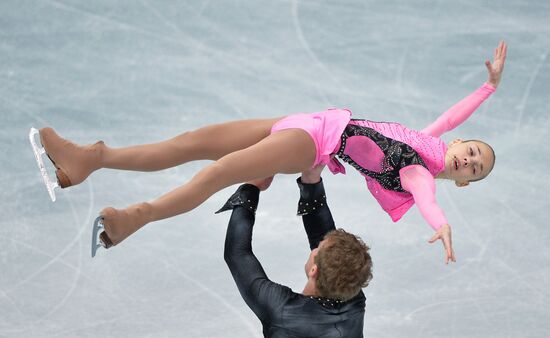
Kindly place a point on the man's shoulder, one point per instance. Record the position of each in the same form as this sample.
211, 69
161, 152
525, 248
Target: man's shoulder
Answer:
275, 293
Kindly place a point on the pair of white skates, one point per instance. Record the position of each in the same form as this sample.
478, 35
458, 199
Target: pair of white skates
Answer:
39, 150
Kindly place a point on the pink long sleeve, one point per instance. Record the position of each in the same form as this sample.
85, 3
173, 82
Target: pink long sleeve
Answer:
459, 112
420, 183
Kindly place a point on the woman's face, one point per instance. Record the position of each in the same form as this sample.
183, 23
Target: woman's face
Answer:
468, 161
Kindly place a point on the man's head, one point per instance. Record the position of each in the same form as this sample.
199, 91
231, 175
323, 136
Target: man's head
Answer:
468, 161
341, 265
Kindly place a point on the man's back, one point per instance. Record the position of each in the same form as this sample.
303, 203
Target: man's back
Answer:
303, 316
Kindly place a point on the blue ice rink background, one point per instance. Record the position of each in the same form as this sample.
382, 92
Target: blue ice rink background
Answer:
133, 72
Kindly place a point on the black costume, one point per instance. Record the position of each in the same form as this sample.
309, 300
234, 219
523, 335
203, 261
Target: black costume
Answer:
284, 313
397, 155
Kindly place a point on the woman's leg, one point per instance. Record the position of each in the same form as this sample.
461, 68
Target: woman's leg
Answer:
75, 163
207, 143
287, 151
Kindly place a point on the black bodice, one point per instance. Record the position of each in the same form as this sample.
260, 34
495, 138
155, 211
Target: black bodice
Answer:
397, 155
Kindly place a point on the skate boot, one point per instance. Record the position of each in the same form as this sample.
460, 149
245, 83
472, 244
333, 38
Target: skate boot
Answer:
118, 224
38, 151
74, 163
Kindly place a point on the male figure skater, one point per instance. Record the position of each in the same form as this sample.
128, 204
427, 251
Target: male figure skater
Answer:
332, 303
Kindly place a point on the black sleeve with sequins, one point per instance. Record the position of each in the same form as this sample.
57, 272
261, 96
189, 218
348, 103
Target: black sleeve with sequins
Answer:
260, 294
315, 213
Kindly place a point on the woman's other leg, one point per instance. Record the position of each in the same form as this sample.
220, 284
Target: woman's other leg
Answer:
207, 143
75, 163
287, 151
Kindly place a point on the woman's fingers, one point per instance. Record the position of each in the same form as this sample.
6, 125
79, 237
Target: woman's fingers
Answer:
434, 238
450, 257
488, 65
448, 252
444, 234
502, 51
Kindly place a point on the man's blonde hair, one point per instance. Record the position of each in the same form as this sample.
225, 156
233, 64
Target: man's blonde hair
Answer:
344, 265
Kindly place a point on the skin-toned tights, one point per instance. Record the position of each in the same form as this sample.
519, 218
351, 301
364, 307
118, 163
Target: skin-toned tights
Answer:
242, 150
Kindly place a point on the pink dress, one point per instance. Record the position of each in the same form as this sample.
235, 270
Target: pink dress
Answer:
324, 128
419, 182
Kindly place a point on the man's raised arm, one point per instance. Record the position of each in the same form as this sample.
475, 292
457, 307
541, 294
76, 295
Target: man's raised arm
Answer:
259, 293
313, 207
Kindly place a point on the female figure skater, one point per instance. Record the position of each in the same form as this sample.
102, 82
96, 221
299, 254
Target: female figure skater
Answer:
399, 164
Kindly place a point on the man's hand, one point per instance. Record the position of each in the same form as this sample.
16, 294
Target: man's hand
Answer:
495, 69
444, 234
313, 175
262, 183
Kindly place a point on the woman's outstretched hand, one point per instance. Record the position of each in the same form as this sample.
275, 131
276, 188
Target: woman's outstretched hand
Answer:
444, 234
497, 66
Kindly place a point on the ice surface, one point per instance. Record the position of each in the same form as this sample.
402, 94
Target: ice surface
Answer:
133, 72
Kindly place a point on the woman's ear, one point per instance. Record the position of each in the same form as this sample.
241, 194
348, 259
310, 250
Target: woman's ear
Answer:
456, 141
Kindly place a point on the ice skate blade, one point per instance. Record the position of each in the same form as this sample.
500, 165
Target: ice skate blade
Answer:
96, 241
38, 151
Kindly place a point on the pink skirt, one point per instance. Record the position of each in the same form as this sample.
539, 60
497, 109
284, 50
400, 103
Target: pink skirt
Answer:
325, 128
